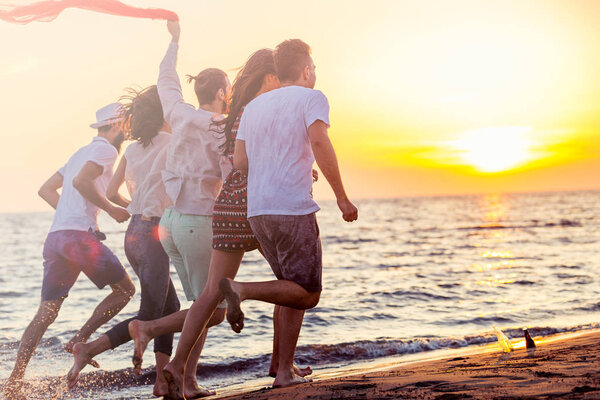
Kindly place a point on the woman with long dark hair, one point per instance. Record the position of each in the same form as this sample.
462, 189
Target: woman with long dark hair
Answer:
140, 169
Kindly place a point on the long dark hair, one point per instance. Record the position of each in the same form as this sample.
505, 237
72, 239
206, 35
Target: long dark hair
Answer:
246, 85
142, 114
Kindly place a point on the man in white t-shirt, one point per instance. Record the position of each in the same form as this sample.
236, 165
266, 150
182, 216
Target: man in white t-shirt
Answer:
74, 242
281, 134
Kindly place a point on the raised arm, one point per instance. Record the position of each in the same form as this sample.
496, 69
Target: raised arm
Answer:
169, 86
112, 190
84, 183
327, 162
49, 190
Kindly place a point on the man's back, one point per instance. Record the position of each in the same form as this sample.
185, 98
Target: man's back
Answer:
193, 172
194, 167
74, 212
275, 129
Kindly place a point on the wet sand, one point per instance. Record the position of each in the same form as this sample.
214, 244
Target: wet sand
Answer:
565, 367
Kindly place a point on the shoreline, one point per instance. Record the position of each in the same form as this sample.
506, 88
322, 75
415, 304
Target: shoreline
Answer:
564, 365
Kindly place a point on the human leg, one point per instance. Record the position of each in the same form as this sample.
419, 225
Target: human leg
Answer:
292, 246
275, 356
103, 268
202, 315
59, 277
83, 353
151, 264
45, 315
161, 387
163, 343
112, 304
223, 264
142, 332
290, 322
177, 233
279, 292
184, 380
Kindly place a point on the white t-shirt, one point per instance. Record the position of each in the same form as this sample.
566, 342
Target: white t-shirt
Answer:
73, 211
139, 165
280, 158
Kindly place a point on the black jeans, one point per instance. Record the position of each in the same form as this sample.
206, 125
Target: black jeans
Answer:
151, 264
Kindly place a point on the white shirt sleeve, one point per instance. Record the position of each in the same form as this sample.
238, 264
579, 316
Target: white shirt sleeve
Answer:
126, 154
242, 128
61, 170
169, 86
104, 155
317, 108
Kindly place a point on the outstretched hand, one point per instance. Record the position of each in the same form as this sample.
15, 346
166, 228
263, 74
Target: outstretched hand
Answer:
349, 210
119, 214
174, 29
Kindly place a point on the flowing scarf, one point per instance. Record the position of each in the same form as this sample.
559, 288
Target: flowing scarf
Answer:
48, 10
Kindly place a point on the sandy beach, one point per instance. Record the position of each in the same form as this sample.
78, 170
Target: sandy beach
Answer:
564, 366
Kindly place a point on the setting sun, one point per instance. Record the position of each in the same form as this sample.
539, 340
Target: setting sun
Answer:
495, 149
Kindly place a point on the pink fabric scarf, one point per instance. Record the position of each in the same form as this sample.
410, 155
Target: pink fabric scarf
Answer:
48, 10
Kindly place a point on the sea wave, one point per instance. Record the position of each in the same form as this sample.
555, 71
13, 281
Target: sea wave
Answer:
316, 355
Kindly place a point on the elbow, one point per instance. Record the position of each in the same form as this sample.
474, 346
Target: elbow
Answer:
112, 194
318, 144
42, 192
240, 162
113, 197
77, 183
241, 166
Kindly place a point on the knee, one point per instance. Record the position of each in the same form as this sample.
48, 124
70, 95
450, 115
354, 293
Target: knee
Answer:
175, 306
311, 300
125, 288
217, 317
47, 313
171, 307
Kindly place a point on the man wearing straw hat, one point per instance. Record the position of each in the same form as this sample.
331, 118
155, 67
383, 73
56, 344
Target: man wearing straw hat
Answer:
74, 242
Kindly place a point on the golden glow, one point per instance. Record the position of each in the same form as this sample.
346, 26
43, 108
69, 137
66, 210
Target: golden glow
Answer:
424, 100
495, 149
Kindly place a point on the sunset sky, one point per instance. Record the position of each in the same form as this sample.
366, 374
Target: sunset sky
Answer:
427, 97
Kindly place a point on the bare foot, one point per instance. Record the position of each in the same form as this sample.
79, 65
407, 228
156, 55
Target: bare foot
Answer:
173, 380
161, 387
297, 370
13, 390
81, 358
235, 316
195, 391
71, 345
291, 380
140, 337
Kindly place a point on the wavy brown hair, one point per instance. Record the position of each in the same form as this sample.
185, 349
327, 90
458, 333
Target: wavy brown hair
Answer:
246, 85
142, 114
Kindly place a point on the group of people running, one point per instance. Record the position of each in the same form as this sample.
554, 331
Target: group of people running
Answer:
206, 184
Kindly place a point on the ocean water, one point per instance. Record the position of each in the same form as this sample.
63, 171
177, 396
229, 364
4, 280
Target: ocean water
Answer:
412, 275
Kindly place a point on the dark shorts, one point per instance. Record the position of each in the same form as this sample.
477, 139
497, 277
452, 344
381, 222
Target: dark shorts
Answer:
69, 252
292, 246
